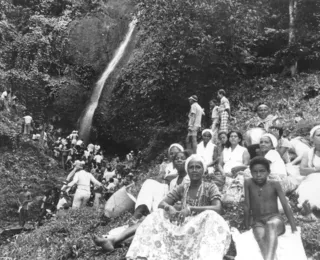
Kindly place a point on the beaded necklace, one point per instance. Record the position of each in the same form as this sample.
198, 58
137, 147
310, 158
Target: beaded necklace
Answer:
197, 200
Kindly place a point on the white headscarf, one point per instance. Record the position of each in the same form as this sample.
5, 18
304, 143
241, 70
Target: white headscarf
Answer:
198, 158
176, 145
313, 130
207, 131
272, 138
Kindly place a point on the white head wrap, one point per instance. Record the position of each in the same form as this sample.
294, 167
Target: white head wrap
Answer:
313, 130
176, 145
272, 138
198, 158
262, 105
207, 131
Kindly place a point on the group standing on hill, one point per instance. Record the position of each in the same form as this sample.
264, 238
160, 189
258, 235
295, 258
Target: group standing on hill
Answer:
260, 171
180, 213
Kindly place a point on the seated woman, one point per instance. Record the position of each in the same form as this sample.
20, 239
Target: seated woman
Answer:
170, 172
153, 191
223, 139
234, 156
283, 143
207, 150
197, 231
182, 178
298, 147
263, 119
308, 191
268, 144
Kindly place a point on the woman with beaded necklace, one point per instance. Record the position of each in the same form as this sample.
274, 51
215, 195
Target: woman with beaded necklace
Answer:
196, 231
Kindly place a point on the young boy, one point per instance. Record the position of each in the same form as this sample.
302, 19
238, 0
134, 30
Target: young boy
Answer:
261, 204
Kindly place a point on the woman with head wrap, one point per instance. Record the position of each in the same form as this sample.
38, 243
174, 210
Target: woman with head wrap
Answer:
167, 171
153, 191
268, 144
309, 189
263, 119
179, 160
207, 150
197, 231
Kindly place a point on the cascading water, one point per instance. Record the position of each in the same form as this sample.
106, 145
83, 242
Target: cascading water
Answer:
86, 119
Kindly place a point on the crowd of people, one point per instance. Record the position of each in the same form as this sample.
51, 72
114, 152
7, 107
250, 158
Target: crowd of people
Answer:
92, 177
180, 213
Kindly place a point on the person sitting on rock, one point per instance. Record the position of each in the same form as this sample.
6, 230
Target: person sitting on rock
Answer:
263, 119
261, 206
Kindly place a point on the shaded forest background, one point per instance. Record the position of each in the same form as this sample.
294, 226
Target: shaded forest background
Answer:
53, 51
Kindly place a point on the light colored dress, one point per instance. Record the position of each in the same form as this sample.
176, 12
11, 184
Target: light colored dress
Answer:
277, 166
309, 189
232, 158
206, 152
205, 236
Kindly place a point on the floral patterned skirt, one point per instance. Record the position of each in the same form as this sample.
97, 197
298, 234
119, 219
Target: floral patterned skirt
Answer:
202, 237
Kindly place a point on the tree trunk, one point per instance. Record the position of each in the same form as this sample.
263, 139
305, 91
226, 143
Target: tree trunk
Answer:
292, 32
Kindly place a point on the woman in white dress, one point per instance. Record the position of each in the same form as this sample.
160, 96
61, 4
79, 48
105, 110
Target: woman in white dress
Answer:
309, 189
268, 144
234, 155
208, 150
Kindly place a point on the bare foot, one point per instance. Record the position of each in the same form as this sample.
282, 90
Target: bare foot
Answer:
105, 243
308, 218
306, 208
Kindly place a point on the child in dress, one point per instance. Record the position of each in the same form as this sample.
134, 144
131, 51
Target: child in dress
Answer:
261, 206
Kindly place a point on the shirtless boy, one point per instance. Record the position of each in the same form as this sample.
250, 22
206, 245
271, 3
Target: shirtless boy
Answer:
261, 208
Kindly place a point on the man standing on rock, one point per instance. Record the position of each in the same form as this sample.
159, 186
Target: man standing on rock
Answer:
195, 116
24, 200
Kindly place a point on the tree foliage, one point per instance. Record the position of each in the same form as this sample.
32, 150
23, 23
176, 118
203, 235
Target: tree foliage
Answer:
197, 47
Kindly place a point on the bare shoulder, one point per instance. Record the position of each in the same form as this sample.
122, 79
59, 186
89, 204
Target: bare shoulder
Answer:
275, 185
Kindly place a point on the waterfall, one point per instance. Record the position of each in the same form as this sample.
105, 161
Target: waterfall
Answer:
86, 119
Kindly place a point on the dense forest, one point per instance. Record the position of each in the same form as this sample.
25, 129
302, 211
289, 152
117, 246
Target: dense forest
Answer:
54, 51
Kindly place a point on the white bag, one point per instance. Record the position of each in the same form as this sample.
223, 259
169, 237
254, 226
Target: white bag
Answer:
120, 202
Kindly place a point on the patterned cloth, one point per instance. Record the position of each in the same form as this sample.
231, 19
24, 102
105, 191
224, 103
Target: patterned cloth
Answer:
202, 237
224, 116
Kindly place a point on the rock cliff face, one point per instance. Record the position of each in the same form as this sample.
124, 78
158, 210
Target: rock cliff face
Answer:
93, 38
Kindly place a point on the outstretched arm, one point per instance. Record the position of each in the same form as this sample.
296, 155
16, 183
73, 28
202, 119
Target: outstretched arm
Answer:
286, 207
304, 167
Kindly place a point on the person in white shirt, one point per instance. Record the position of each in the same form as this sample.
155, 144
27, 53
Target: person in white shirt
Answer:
195, 116
90, 147
83, 179
79, 142
109, 172
98, 159
27, 124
